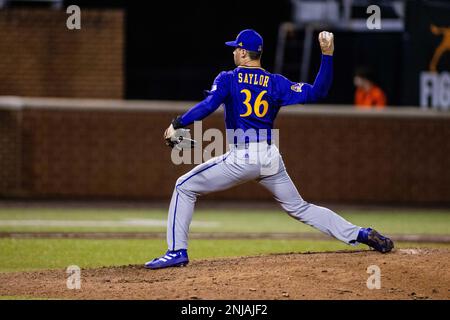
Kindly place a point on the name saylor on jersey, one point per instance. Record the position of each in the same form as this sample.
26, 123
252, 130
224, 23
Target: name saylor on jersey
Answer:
253, 78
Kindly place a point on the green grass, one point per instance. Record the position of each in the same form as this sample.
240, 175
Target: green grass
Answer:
33, 254
387, 221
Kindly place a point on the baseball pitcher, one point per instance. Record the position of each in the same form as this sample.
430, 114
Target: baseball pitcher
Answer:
252, 98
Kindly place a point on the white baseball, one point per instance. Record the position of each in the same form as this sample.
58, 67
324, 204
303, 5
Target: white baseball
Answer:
326, 40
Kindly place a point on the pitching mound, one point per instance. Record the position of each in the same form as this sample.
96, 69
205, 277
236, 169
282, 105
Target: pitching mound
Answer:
405, 274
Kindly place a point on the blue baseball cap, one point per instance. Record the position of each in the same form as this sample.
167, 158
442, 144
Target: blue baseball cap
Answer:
247, 39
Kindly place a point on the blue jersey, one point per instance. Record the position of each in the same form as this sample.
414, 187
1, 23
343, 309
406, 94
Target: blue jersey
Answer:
252, 98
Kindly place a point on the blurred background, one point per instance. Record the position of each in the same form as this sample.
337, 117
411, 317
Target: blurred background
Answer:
83, 110
128, 50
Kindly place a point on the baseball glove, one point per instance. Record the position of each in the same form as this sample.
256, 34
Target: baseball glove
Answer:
179, 138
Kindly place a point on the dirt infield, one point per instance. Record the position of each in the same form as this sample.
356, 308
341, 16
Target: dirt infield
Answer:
405, 274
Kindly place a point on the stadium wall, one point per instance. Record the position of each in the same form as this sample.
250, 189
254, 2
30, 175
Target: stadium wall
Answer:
113, 149
41, 57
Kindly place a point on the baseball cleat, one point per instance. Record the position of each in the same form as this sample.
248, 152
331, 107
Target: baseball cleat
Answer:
177, 258
375, 240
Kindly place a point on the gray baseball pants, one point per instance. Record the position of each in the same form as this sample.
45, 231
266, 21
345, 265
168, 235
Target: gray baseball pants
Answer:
256, 161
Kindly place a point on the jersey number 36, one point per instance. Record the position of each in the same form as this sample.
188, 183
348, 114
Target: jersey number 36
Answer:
257, 106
